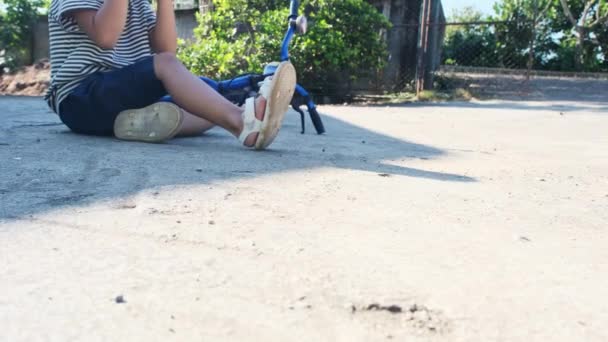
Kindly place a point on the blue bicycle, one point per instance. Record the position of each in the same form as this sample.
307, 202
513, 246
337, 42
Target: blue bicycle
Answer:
238, 89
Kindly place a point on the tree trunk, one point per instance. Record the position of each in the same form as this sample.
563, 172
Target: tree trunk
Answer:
531, 54
580, 56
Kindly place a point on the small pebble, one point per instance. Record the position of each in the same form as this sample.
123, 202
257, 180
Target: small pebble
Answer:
394, 309
120, 300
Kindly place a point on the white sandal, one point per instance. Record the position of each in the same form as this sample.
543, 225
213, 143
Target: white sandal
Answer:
278, 91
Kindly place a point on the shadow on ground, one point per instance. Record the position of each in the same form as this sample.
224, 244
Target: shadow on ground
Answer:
44, 166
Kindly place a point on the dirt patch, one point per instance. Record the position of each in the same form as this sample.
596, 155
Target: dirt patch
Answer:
28, 81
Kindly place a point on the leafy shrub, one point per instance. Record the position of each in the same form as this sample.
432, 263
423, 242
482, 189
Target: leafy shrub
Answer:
16, 24
240, 36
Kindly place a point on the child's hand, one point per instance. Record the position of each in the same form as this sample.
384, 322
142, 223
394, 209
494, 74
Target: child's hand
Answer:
106, 25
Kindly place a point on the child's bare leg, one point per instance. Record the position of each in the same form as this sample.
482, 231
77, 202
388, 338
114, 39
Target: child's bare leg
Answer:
198, 98
193, 125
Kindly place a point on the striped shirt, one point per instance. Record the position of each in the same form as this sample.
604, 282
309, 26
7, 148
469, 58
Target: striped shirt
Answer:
74, 56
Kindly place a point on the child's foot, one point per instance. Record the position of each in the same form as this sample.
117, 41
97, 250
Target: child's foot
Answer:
260, 111
263, 116
156, 123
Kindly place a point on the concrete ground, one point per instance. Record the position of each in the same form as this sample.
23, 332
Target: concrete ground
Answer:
440, 222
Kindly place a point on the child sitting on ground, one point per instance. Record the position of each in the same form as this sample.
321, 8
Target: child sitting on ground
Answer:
113, 60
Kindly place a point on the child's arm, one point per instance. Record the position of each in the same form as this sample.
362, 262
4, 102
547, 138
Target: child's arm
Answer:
104, 26
163, 37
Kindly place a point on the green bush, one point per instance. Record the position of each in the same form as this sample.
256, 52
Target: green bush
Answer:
16, 23
239, 36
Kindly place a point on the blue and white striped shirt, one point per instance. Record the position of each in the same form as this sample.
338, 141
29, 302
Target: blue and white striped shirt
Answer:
74, 56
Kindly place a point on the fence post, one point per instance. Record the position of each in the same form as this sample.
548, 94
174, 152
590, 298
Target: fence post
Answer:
423, 44
205, 6
433, 43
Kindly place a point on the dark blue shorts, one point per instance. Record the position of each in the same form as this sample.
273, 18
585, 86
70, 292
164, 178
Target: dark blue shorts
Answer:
93, 106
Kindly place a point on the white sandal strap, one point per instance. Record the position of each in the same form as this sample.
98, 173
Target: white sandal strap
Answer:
251, 124
265, 87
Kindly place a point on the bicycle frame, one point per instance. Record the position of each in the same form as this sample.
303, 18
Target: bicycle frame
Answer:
295, 4
243, 85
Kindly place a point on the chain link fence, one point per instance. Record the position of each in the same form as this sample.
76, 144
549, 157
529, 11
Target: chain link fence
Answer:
499, 59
